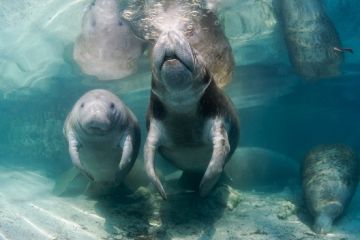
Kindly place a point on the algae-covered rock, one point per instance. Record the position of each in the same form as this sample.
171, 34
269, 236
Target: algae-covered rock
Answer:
286, 209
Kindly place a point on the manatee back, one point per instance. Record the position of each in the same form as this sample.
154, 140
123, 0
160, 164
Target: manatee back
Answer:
310, 38
329, 175
106, 47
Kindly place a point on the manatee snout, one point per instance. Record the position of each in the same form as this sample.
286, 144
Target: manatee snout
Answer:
173, 60
96, 118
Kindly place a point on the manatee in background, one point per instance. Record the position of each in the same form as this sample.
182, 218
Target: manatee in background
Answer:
310, 38
200, 27
106, 47
103, 136
257, 168
330, 175
191, 122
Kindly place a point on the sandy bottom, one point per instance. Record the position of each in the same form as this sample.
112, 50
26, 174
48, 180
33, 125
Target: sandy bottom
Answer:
29, 210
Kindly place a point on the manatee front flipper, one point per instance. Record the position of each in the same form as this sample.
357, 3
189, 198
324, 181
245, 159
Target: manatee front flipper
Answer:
221, 148
74, 154
130, 148
151, 144
63, 182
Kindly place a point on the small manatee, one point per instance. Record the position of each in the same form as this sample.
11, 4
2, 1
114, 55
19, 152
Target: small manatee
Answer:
103, 136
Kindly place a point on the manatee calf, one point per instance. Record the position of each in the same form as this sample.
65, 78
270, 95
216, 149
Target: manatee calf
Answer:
310, 38
107, 48
329, 180
191, 122
103, 136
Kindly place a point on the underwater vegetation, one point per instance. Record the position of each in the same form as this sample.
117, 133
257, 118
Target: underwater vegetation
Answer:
249, 109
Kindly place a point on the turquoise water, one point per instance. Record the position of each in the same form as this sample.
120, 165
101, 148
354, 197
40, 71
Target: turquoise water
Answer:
279, 110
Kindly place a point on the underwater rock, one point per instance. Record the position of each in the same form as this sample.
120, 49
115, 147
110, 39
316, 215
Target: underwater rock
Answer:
201, 28
226, 197
286, 210
330, 175
107, 48
310, 38
103, 136
188, 115
257, 168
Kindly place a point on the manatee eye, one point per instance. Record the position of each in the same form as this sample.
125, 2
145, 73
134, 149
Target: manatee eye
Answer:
112, 105
189, 32
120, 23
82, 105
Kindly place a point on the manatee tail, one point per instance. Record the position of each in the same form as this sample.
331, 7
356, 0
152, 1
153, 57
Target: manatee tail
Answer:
322, 224
63, 182
324, 221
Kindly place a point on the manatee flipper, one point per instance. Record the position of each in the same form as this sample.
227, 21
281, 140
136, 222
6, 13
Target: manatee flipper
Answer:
127, 159
63, 182
221, 150
74, 154
322, 224
151, 144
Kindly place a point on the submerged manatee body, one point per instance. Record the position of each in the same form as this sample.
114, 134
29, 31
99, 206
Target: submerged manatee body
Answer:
259, 168
310, 38
200, 27
107, 48
103, 136
330, 177
191, 122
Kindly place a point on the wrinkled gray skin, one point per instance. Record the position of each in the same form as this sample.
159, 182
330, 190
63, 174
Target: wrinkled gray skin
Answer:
107, 48
191, 122
329, 179
200, 27
103, 136
310, 38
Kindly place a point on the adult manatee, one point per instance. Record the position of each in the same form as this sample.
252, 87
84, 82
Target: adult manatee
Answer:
106, 47
191, 122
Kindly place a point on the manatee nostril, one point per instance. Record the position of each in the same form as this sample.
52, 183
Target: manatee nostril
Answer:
169, 54
98, 125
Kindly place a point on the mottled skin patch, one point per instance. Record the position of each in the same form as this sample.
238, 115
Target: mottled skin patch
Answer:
329, 176
310, 37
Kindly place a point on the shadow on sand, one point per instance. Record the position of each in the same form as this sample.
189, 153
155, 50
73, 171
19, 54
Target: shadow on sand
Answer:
183, 214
